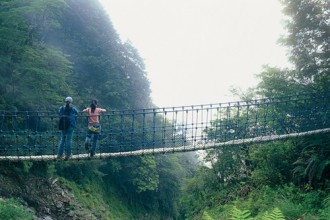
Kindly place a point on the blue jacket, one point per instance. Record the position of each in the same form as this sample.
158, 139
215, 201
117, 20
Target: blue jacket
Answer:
73, 115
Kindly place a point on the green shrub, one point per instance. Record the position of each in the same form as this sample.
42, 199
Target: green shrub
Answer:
12, 209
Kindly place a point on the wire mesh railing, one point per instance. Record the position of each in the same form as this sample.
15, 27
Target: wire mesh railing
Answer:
34, 135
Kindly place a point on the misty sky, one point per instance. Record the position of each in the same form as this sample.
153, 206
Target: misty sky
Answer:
196, 50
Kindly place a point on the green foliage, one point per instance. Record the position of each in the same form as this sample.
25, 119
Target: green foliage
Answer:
275, 82
148, 178
170, 174
228, 164
272, 162
307, 25
206, 216
91, 195
103, 66
49, 49
37, 168
325, 213
26, 60
292, 201
40, 168
308, 41
12, 209
276, 214
18, 167
195, 192
313, 163
145, 176
240, 214
79, 172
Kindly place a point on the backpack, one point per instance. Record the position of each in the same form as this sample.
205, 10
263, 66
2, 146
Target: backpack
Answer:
64, 122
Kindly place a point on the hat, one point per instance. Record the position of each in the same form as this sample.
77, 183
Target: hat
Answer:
68, 99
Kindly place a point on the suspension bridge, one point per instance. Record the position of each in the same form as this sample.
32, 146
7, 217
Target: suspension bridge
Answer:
34, 135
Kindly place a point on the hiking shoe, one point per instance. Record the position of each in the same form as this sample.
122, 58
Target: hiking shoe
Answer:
68, 157
91, 154
87, 146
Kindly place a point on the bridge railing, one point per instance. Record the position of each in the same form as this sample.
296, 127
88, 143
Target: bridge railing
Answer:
32, 133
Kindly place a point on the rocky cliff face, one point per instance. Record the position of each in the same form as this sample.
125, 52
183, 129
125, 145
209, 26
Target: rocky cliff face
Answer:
44, 196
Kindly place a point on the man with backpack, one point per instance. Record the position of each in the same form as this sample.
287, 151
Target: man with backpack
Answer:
67, 124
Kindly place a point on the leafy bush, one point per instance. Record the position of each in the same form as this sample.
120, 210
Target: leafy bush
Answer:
272, 163
12, 209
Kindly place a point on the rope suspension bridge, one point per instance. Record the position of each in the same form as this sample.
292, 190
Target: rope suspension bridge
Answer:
34, 135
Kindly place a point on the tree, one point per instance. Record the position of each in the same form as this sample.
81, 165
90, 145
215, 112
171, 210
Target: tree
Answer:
275, 82
308, 40
32, 73
103, 66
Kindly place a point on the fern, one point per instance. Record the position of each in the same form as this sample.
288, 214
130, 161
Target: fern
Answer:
276, 214
326, 202
206, 216
240, 215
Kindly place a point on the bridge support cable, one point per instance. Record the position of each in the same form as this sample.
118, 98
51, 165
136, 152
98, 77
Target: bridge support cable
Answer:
34, 135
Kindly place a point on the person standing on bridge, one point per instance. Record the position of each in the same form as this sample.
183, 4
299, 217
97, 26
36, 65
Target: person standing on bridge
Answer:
68, 115
94, 126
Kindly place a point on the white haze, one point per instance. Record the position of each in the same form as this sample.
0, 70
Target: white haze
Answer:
196, 50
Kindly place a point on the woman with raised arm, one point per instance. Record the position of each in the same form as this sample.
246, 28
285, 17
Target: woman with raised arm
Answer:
94, 127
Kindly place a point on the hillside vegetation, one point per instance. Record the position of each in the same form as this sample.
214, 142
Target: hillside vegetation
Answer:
53, 49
